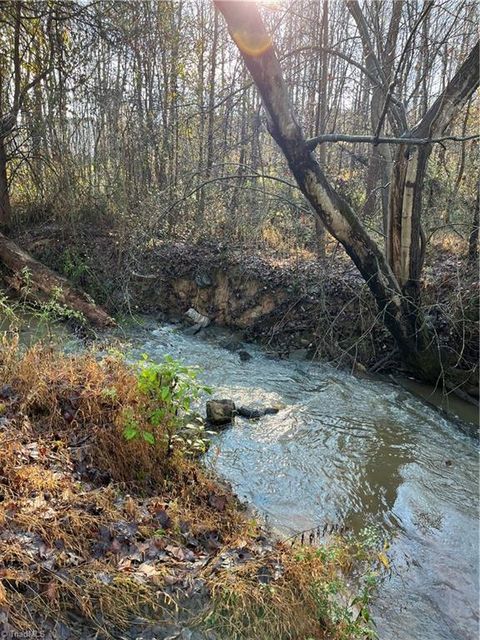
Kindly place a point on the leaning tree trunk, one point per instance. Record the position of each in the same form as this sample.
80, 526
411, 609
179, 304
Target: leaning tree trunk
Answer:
43, 284
248, 32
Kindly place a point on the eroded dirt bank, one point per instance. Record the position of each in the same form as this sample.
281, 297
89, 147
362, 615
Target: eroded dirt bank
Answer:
295, 305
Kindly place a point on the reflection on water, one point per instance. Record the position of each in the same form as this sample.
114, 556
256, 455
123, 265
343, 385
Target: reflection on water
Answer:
357, 452
450, 403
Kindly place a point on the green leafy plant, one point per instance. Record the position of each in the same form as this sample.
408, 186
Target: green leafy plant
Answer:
26, 276
74, 266
51, 311
54, 310
169, 388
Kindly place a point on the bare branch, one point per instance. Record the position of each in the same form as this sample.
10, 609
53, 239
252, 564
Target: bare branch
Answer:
397, 115
456, 93
399, 68
342, 137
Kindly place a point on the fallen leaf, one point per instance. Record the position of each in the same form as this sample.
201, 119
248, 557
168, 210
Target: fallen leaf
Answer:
125, 564
52, 590
384, 560
115, 546
176, 552
218, 502
163, 519
147, 569
6, 392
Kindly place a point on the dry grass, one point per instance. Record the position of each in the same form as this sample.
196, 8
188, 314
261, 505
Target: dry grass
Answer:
297, 592
78, 399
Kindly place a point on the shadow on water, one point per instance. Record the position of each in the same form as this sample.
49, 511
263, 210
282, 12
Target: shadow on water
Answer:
384, 460
465, 414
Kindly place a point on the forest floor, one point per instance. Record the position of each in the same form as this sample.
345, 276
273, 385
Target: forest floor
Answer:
291, 302
102, 536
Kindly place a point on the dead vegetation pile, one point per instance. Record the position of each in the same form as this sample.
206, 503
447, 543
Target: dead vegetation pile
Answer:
101, 536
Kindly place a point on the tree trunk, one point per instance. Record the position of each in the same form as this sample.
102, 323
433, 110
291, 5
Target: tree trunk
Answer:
321, 125
43, 283
414, 342
5, 208
405, 247
381, 155
473, 239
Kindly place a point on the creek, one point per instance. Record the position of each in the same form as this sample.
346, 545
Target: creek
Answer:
355, 452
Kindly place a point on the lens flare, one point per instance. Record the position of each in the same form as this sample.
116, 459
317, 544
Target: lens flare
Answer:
252, 43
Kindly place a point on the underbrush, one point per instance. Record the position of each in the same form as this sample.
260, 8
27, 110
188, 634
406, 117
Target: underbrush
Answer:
105, 530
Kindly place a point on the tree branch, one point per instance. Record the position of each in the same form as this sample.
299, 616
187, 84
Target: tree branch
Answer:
399, 68
396, 113
458, 90
343, 137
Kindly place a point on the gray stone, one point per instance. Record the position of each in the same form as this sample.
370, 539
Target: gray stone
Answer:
197, 318
252, 413
298, 354
220, 412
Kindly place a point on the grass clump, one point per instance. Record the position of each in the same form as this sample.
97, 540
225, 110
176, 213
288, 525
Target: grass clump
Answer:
299, 592
100, 527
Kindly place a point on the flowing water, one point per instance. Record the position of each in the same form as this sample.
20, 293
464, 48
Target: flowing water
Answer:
358, 452
351, 451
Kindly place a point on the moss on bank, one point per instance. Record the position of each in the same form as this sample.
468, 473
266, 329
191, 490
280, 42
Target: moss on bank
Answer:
101, 534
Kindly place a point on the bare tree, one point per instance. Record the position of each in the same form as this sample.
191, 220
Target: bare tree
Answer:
17, 87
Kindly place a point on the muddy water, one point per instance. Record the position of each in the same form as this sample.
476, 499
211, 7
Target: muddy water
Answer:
357, 452
349, 451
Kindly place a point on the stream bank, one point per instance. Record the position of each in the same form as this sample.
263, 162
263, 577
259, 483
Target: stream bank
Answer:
345, 452
291, 303
113, 536
353, 452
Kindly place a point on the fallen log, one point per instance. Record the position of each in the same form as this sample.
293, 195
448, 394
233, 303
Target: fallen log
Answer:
44, 284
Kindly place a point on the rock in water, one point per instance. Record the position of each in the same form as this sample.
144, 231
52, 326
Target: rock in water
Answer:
244, 355
298, 354
197, 318
251, 413
220, 412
